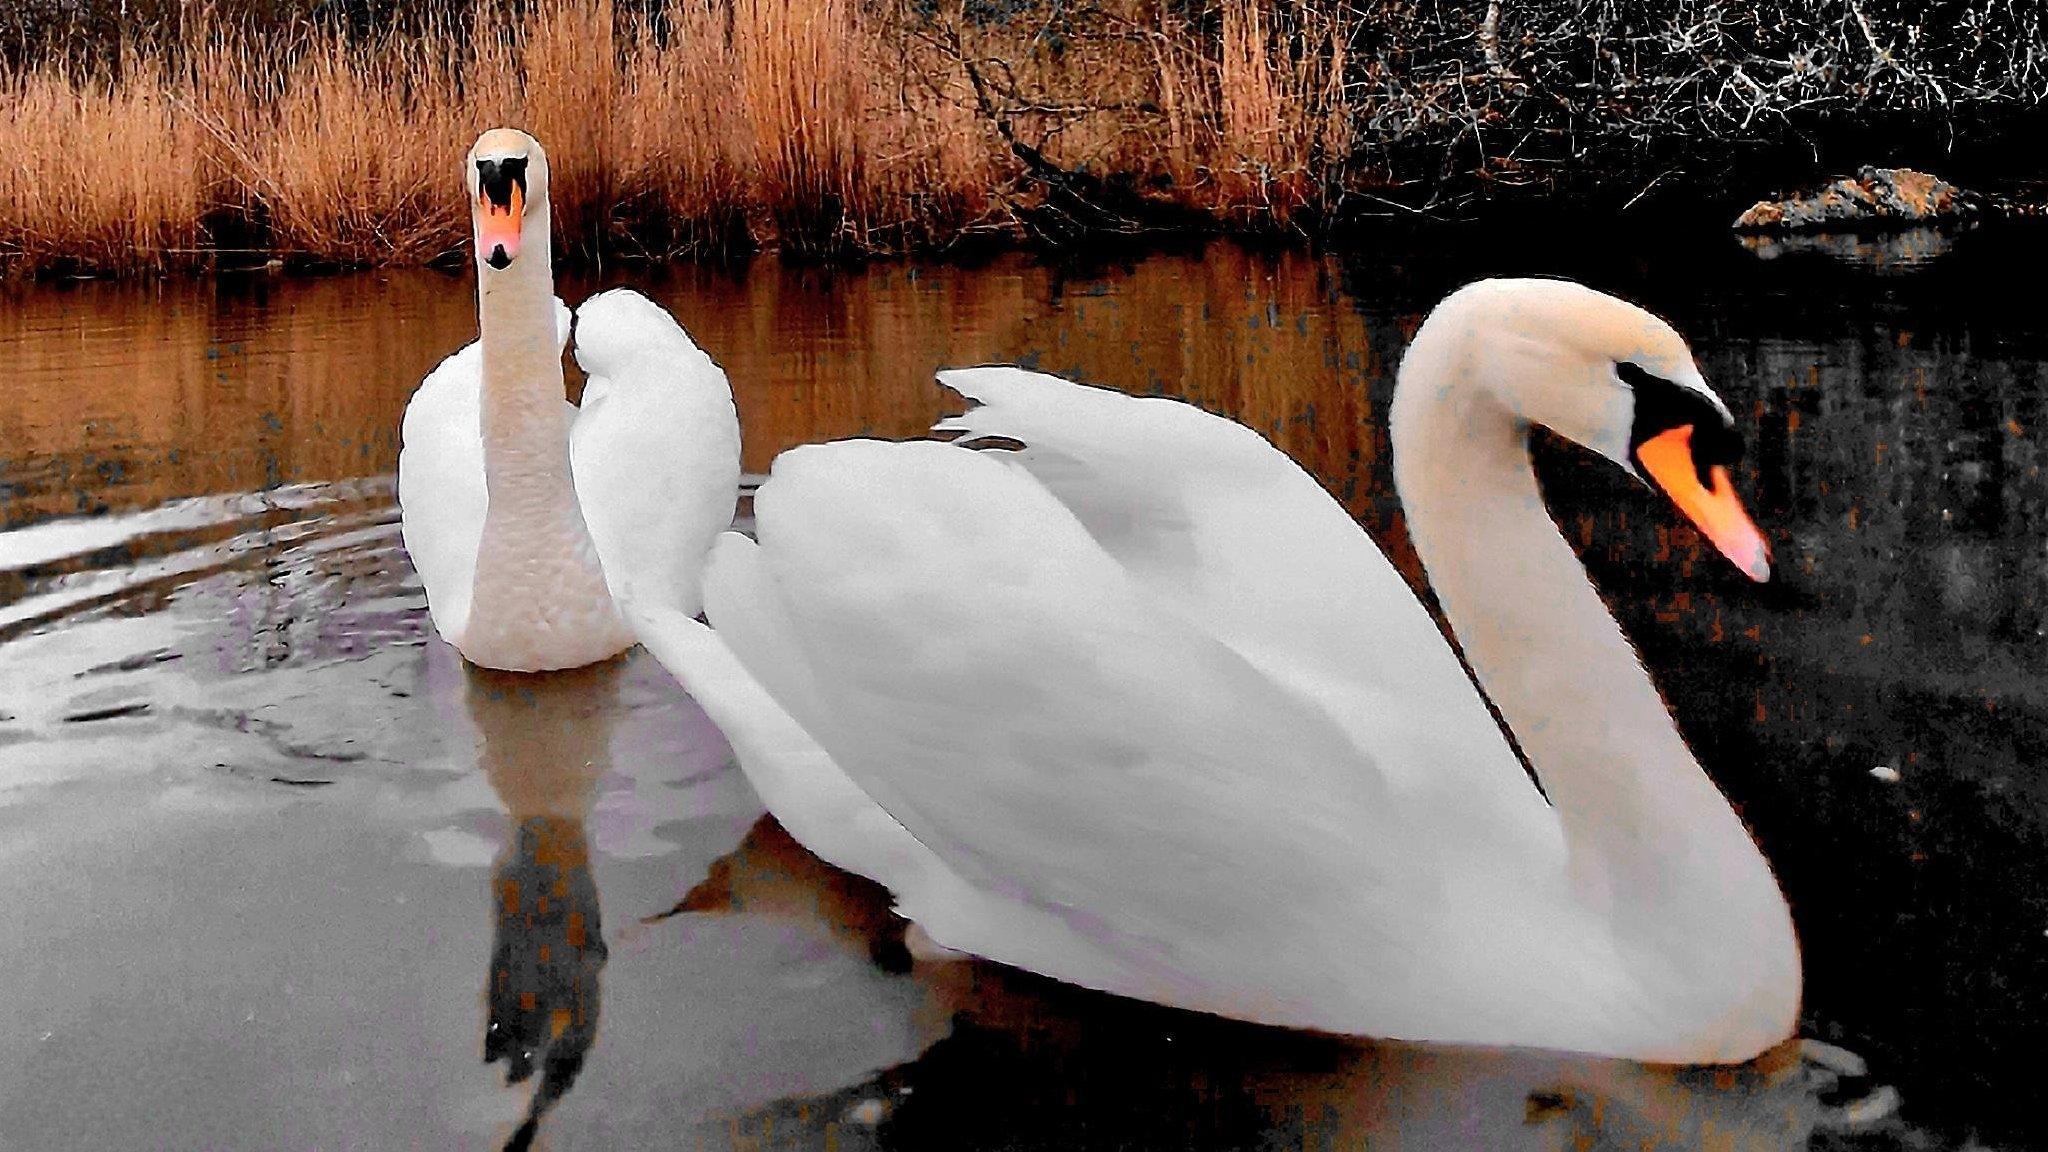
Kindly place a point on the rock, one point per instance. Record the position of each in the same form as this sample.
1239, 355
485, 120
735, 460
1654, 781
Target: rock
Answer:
1874, 196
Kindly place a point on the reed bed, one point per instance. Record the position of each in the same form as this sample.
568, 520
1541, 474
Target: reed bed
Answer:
100, 171
865, 126
812, 126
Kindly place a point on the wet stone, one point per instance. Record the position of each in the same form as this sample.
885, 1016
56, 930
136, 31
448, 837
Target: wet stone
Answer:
1885, 197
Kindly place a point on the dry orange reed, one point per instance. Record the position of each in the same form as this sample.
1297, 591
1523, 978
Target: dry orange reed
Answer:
806, 125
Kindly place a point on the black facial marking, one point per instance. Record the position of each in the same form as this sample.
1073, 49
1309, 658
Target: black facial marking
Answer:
497, 177
1662, 405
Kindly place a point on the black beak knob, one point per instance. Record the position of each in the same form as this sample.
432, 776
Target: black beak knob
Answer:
497, 259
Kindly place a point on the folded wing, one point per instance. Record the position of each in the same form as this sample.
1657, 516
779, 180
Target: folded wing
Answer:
1229, 532
655, 449
977, 664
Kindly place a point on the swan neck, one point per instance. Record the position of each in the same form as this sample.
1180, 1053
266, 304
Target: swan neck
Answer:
525, 430
1646, 828
535, 558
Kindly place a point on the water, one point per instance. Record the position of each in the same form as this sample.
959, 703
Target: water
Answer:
268, 843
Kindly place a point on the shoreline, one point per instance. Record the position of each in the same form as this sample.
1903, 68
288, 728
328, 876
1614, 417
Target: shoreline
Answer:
1691, 223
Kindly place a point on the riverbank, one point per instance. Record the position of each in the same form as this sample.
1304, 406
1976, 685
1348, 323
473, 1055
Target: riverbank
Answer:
832, 127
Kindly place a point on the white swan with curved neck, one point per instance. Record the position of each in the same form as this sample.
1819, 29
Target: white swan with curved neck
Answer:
1139, 706
529, 519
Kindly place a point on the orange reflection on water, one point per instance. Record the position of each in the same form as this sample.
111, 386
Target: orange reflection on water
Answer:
127, 395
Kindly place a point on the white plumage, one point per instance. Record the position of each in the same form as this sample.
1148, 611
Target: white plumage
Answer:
1140, 708
655, 450
441, 493
529, 519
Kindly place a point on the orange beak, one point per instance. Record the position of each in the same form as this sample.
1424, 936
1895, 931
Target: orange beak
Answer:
497, 228
1716, 511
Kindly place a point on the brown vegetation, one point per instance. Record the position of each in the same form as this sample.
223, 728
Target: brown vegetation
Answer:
755, 123
881, 125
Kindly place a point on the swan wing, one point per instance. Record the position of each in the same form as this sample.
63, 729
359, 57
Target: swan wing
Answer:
1227, 530
655, 448
834, 817
796, 778
981, 668
441, 493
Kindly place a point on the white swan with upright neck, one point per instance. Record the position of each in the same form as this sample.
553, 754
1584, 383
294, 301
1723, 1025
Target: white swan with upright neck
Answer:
529, 519
1139, 706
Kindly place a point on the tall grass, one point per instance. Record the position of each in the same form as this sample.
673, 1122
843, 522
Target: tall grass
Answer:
798, 76
753, 123
102, 168
826, 126
688, 176
328, 186
808, 125
1263, 119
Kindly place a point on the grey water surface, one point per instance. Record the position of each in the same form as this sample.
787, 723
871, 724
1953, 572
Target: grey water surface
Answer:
278, 871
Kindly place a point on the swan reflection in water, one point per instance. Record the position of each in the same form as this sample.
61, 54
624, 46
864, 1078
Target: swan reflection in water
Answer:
1018, 1061
1007, 1060
545, 743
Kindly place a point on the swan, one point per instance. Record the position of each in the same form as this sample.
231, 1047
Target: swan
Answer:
1139, 707
530, 519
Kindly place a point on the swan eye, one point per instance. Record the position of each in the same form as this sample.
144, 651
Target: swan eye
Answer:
496, 180
1662, 405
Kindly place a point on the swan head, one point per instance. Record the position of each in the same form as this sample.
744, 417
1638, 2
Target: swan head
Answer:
1620, 381
508, 182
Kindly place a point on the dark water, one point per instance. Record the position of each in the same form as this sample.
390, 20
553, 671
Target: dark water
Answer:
282, 872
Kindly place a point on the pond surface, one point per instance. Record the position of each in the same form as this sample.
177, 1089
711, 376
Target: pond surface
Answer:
281, 871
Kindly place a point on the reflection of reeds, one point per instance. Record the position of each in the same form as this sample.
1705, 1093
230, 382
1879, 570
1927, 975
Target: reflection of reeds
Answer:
812, 125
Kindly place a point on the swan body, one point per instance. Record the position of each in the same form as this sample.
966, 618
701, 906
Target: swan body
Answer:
1139, 707
529, 519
